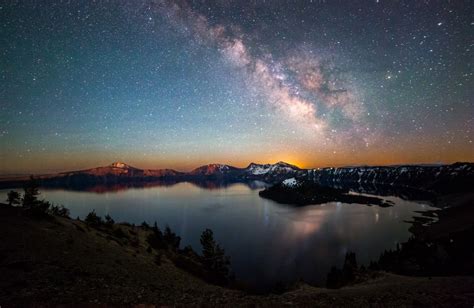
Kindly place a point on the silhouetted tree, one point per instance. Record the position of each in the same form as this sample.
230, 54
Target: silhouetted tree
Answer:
30, 197
189, 251
13, 197
33, 206
213, 256
171, 239
155, 239
109, 222
350, 267
93, 220
59, 210
335, 278
155, 227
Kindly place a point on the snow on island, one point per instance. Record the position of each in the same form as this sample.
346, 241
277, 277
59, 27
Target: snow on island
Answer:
291, 182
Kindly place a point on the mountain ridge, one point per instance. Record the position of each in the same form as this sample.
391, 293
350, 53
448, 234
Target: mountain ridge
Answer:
454, 177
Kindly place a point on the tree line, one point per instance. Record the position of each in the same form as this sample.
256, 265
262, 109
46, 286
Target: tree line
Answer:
31, 203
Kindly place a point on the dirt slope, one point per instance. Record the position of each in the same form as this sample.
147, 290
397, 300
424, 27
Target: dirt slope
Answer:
64, 261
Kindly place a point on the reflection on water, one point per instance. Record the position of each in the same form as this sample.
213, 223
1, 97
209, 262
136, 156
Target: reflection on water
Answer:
118, 186
268, 243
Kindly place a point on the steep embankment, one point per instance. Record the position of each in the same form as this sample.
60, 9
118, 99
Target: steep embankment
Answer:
64, 260
60, 260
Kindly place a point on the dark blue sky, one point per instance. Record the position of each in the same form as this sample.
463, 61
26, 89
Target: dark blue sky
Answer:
182, 83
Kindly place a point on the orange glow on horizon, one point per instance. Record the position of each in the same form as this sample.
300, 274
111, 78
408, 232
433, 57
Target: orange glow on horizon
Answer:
306, 156
51, 164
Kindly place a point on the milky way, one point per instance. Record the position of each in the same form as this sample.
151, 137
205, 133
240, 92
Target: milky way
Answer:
183, 83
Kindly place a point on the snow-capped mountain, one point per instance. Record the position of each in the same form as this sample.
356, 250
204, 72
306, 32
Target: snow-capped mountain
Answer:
277, 171
458, 176
215, 170
258, 171
162, 173
279, 167
434, 178
119, 165
123, 170
116, 168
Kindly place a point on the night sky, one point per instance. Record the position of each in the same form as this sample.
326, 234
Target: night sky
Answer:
179, 84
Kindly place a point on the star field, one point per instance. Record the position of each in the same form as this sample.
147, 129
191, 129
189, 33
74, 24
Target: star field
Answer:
183, 83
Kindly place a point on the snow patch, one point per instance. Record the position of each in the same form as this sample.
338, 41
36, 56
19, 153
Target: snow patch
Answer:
119, 165
291, 182
259, 170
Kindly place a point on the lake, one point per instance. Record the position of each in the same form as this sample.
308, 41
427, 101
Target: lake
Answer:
268, 243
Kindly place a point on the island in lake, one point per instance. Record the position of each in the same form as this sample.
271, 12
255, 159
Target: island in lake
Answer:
237, 153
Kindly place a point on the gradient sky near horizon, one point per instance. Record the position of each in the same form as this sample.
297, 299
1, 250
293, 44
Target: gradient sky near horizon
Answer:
184, 83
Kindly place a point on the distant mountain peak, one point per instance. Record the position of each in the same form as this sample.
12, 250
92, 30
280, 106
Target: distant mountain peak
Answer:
280, 167
213, 169
119, 165
282, 163
218, 165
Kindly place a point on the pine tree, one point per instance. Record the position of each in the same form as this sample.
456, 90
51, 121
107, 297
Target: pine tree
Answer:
214, 258
171, 239
109, 222
155, 239
30, 197
92, 219
13, 197
350, 267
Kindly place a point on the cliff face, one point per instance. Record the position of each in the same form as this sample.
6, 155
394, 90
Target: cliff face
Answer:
444, 178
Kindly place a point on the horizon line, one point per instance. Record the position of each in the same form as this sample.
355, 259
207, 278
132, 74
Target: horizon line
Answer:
280, 161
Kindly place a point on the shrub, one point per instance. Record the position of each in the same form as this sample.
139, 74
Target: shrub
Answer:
155, 239
335, 278
192, 266
34, 207
350, 267
134, 242
171, 239
158, 259
109, 222
30, 202
189, 252
338, 278
39, 209
13, 198
118, 232
93, 220
59, 210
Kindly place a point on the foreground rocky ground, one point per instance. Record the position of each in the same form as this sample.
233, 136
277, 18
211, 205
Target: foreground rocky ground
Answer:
63, 261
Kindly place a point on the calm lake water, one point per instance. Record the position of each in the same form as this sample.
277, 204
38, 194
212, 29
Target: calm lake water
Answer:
268, 242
